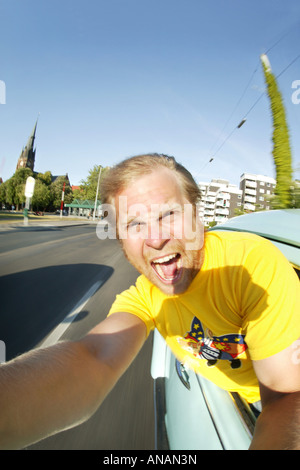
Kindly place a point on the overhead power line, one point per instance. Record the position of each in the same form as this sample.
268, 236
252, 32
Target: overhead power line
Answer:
242, 122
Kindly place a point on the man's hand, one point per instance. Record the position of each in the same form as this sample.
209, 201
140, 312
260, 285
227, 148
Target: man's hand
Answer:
49, 390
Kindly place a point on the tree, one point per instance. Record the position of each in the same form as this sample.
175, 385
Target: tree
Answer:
296, 194
46, 178
56, 191
89, 186
239, 211
41, 197
47, 194
78, 193
9, 191
2, 194
15, 187
281, 143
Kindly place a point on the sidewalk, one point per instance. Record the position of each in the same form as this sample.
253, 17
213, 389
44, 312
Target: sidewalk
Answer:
18, 225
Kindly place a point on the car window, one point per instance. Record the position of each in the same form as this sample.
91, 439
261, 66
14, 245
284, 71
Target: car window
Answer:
245, 412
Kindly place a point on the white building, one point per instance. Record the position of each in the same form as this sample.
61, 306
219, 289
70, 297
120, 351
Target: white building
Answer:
255, 188
219, 199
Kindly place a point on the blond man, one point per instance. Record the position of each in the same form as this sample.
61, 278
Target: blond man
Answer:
222, 284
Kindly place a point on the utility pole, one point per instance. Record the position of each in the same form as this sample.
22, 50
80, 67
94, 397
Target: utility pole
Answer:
96, 198
62, 199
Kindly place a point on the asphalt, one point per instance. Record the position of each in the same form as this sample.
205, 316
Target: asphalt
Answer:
46, 270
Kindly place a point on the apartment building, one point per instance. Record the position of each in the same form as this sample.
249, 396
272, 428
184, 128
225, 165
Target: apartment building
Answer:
219, 200
256, 189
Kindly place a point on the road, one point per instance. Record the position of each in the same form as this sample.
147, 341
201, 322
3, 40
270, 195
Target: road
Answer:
57, 283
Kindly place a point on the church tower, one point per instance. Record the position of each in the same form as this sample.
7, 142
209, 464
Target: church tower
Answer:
27, 157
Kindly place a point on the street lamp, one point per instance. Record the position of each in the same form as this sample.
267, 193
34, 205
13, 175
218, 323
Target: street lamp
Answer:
96, 198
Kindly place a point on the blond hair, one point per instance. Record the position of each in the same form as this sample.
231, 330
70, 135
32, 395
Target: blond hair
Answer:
126, 172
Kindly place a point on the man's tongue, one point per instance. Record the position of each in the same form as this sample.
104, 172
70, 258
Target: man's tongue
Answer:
167, 270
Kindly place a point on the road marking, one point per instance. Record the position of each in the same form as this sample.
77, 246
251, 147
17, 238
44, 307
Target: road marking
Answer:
64, 325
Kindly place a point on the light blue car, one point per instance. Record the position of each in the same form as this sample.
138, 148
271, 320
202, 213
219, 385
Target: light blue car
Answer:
191, 412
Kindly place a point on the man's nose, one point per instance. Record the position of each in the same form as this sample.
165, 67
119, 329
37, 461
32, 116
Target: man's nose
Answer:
156, 243
157, 238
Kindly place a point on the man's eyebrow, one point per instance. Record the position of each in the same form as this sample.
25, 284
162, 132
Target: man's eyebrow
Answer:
133, 219
160, 211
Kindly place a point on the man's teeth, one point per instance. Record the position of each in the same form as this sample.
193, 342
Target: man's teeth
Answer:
165, 259
168, 268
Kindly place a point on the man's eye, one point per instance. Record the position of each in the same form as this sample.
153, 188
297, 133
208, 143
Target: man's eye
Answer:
135, 225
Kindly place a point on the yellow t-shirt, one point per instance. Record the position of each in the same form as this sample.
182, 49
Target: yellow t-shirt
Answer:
243, 305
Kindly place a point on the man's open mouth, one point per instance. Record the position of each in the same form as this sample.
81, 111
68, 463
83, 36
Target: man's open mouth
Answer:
168, 268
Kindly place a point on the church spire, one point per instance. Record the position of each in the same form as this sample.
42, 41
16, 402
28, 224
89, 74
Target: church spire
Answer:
30, 143
27, 157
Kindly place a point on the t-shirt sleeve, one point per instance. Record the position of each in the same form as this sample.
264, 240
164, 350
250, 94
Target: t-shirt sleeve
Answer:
271, 302
135, 300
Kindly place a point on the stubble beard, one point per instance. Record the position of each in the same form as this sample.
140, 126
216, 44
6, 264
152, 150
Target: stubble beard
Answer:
192, 263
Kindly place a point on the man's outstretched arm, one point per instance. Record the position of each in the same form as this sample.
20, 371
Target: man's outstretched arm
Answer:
49, 390
278, 426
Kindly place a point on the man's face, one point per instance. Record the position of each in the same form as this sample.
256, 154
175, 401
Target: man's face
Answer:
160, 234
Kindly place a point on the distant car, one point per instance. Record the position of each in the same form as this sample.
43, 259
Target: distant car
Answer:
192, 413
64, 212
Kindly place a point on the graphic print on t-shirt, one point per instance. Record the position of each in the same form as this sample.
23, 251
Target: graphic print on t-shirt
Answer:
204, 345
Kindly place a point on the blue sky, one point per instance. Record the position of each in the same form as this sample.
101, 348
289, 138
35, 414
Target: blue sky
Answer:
115, 78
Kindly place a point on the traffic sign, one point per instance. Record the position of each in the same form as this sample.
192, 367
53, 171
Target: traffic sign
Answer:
29, 188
